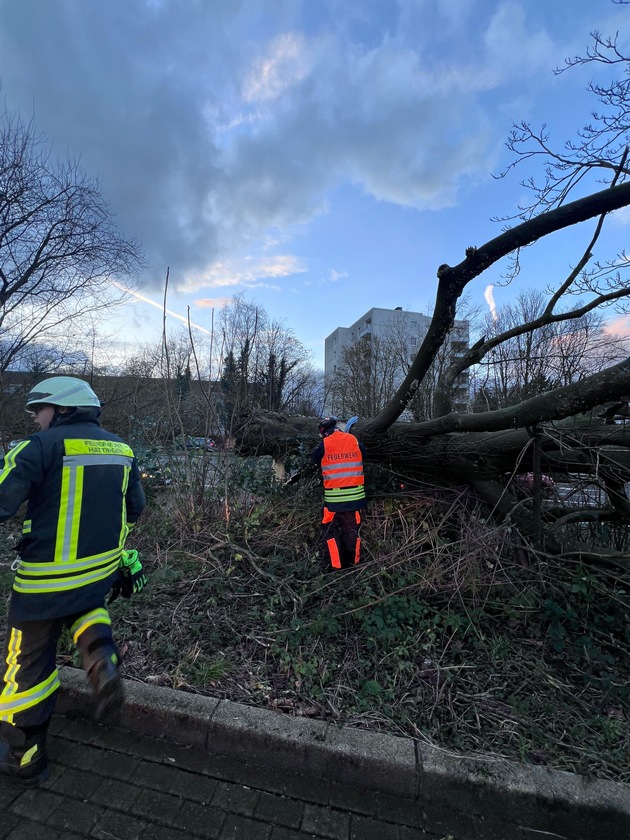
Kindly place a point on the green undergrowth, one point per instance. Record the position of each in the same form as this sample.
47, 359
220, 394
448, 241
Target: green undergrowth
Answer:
438, 634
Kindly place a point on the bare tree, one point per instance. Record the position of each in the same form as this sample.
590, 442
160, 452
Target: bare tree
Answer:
521, 364
263, 364
59, 246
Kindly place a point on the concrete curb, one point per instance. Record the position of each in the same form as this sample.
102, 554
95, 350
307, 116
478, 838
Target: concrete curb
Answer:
536, 799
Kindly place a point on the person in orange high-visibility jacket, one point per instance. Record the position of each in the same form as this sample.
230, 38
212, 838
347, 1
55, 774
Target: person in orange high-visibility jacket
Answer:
340, 457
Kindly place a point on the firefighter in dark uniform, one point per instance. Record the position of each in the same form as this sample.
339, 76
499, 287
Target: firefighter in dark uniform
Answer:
83, 493
340, 457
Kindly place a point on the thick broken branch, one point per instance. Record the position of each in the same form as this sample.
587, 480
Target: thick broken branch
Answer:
453, 280
609, 384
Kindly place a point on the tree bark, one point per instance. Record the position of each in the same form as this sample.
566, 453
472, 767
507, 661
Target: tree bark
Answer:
453, 280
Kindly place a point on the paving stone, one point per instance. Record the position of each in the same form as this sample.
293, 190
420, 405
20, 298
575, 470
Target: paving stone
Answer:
354, 799
408, 833
36, 804
8, 794
325, 822
55, 772
399, 810
77, 755
283, 833
163, 832
311, 790
154, 749
8, 823
76, 783
116, 795
236, 798
222, 767
447, 821
121, 826
32, 831
201, 820
491, 830
72, 815
279, 810
368, 828
110, 738
157, 806
155, 776
116, 765
252, 775
83, 731
192, 786
57, 724
186, 758
237, 827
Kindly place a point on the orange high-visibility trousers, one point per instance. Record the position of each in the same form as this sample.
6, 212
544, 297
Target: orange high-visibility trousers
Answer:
340, 537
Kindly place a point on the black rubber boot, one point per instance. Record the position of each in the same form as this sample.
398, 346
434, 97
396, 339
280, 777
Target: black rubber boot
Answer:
25, 765
107, 689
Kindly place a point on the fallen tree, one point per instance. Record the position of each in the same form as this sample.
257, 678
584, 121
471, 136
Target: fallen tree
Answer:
558, 429
558, 432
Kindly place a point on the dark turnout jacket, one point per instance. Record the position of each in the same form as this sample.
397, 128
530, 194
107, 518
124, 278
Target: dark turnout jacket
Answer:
83, 493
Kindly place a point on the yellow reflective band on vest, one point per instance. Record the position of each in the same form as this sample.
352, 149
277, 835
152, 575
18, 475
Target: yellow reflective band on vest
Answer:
344, 494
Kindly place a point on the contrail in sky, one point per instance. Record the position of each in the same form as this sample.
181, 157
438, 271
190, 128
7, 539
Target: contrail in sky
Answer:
490, 301
159, 306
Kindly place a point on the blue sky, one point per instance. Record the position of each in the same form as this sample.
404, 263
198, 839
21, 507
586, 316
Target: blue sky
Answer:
320, 156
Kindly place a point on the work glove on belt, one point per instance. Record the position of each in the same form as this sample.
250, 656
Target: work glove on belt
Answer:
131, 577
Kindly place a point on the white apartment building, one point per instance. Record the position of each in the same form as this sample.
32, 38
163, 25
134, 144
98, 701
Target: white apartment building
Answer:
411, 327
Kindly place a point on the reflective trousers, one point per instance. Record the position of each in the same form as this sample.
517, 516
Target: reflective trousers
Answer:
340, 537
29, 670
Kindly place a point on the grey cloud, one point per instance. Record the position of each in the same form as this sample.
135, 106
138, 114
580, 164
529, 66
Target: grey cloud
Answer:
150, 94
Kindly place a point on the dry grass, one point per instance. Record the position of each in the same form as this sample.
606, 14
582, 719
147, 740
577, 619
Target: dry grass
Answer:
438, 633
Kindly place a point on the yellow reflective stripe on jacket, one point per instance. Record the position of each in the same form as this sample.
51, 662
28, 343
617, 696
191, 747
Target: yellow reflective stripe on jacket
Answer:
29, 567
9, 459
107, 448
22, 700
80, 454
124, 528
69, 513
63, 583
98, 616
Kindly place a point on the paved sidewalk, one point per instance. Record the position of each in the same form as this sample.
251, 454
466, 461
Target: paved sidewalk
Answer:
180, 765
110, 784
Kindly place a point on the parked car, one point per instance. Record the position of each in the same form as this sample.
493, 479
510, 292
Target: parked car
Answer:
198, 443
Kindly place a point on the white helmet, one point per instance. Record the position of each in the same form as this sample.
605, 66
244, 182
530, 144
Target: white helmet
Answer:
65, 391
